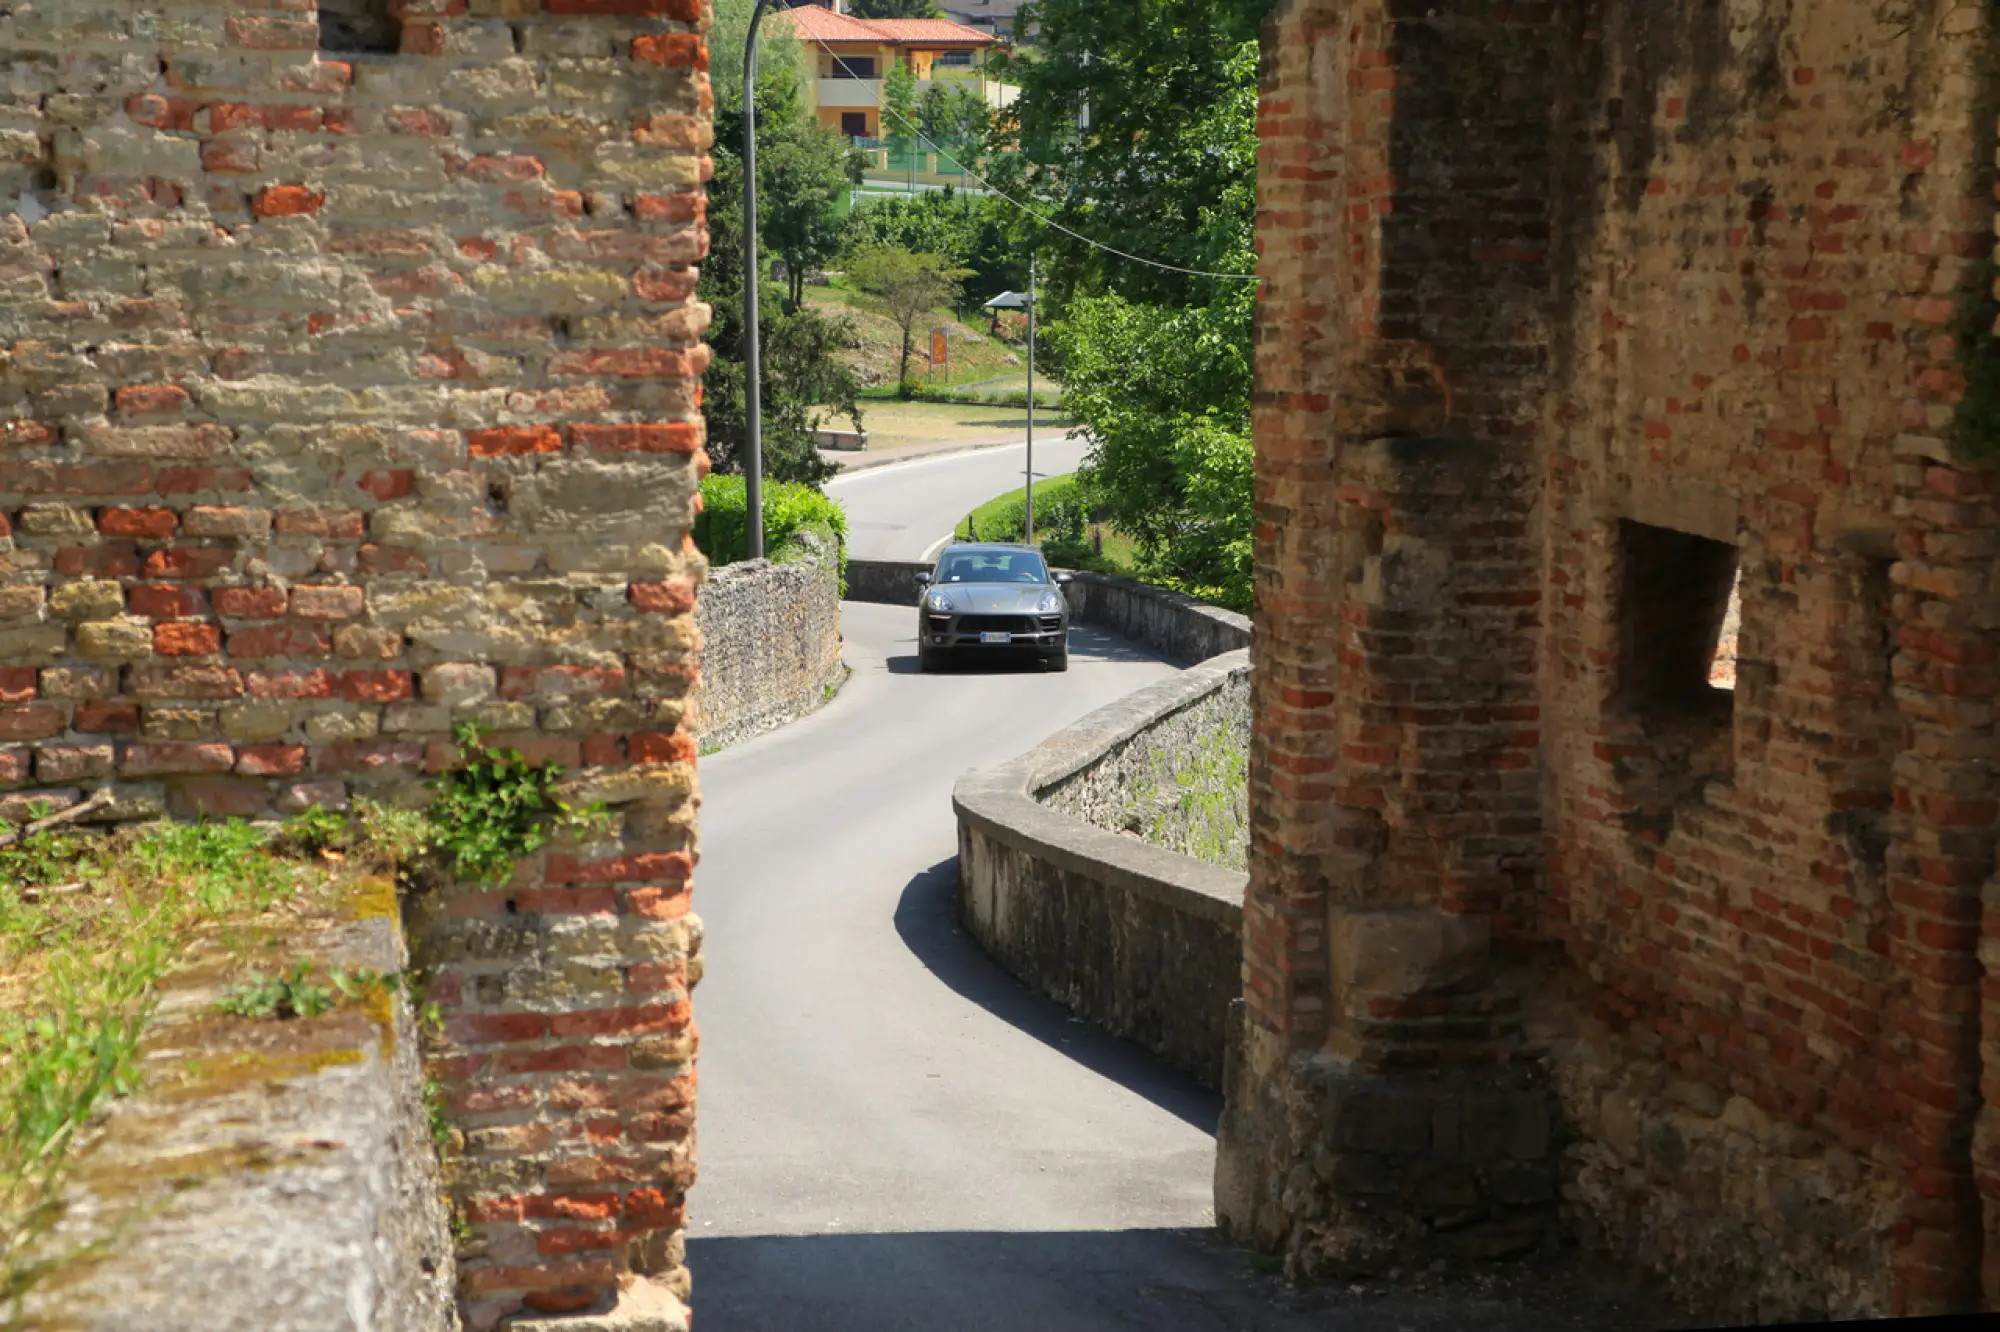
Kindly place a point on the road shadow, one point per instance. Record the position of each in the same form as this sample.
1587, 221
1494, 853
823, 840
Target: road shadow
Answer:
927, 921
1098, 1281
1086, 644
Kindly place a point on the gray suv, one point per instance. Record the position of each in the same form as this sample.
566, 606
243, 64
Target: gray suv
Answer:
992, 599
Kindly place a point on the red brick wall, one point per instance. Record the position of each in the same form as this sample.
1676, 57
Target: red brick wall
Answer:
1644, 270
349, 400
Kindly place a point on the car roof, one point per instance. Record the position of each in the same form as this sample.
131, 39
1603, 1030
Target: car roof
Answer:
986, 547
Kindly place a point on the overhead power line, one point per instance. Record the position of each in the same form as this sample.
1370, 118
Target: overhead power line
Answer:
916, 131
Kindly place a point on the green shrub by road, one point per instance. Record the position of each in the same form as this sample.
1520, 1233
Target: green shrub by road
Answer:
791, 510
1068, 525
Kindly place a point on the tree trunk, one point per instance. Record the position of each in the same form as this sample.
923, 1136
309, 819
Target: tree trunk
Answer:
903, 365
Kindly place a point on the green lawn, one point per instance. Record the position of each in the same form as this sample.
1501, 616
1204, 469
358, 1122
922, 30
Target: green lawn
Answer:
975, 356
893, 424
1089, 545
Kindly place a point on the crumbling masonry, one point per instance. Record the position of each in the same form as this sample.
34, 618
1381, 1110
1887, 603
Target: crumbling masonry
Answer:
351, 390
1574, 313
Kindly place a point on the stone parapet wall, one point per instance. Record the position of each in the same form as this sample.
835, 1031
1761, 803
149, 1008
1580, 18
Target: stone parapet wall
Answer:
1177, 626
1138, 939
1132, 788
348, 397
266, 1175
770, 646
885, 582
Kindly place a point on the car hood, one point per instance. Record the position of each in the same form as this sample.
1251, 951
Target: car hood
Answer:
994, 598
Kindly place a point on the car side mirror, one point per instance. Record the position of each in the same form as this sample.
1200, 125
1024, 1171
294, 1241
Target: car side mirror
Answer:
923, 578
1065, 577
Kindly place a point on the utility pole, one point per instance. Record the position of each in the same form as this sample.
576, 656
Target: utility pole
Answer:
1028, 509
753, 378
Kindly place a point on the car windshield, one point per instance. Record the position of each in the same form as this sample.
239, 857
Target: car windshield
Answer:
992, 566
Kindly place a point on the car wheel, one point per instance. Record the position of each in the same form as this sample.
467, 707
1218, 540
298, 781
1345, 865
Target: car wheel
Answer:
1059, 659
927, 660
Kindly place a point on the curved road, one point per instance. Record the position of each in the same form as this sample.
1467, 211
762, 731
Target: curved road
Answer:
895, 1136
905, 511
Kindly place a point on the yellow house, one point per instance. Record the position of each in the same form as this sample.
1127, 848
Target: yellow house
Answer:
849, 57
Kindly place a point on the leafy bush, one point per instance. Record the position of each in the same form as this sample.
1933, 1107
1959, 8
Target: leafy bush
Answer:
1064, 507
984, 398
722, 529
495, 808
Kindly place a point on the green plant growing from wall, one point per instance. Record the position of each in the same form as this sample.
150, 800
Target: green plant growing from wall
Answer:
496, 807
299, 993
1195, 799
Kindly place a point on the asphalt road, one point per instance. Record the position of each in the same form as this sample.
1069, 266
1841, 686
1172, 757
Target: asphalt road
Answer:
896, 1136
904, 512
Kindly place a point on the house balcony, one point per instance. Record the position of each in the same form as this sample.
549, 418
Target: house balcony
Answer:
849, 94
860, 94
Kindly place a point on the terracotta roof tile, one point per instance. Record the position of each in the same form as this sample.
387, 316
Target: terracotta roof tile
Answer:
812, 23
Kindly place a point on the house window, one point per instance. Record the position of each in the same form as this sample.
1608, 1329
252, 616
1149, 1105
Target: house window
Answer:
359, 27
959, 58
854, 67
854, 124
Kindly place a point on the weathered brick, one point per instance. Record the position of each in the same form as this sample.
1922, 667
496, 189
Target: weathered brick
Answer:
163, 759
250, 603
185, 638
143, 524
512, 440
673, 437
279, 641
314, 602
270, 415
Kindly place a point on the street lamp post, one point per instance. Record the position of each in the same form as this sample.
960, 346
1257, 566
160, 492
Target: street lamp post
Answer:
753, 378
1014, 300
1028, 508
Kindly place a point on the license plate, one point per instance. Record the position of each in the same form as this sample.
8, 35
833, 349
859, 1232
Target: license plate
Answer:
996, 638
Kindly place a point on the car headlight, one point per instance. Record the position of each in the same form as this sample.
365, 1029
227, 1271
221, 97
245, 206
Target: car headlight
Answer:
938, 601
1051, 604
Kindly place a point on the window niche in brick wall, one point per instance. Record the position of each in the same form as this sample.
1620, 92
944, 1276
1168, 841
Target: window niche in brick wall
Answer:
1676, 614
359, 27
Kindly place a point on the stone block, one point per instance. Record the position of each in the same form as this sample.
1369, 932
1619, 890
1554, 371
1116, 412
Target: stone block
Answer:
1404, 954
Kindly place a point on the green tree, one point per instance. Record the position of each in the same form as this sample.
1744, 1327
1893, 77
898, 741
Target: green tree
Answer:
909, 286
971, 118
777, 51
892, 9
804, 382
1139, 168
802, 170
899, 106
935, 118
980, 234
1155, 364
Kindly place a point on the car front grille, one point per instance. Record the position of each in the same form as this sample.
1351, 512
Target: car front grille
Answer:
997, 624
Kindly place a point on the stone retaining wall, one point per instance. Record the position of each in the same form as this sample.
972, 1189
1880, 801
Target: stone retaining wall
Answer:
1138, 939
770, 646
884, 582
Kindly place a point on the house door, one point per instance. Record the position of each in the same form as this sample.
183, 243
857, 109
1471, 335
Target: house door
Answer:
854, 124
